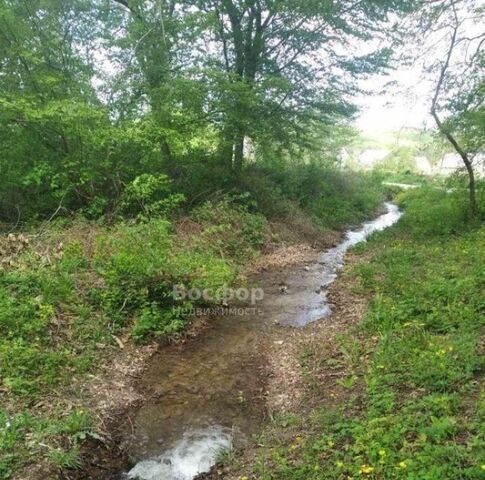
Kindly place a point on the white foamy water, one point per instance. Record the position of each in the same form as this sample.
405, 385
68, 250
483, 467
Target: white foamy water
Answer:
334, 258
306, 296
195, 453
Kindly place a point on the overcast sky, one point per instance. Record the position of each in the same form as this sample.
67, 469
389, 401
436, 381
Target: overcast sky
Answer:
405, 103
408, 102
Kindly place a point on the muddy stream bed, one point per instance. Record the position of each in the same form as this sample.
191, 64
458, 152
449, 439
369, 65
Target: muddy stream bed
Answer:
207, 396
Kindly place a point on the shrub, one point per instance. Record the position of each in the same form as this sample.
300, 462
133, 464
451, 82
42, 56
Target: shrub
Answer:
150, 195
140, 265
229, 227
330, 197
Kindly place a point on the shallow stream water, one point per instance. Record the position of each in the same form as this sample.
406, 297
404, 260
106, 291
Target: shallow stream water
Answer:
207, 396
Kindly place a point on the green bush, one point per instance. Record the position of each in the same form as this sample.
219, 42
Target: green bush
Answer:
140, 264
330, 197
230, 228
150, 196
153, 321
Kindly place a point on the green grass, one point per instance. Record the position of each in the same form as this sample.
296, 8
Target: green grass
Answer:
330, 198
421, 415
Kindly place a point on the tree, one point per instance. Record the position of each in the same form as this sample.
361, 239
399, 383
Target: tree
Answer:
458, 101
45, 86
60, 145
97, 92
246, 63
289, 61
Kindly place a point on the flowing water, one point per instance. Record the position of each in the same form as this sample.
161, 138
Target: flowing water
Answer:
207, 396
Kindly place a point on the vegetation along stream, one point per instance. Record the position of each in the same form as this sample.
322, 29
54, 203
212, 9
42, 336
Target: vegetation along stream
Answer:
208, 396
177, 179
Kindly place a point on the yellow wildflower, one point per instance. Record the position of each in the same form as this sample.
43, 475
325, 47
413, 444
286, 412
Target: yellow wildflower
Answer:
366, 469
403, 465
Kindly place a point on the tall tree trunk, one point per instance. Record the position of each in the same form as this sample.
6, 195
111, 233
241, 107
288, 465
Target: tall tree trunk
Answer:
248, 44
168, 157
225, 150
472, 189
466, 160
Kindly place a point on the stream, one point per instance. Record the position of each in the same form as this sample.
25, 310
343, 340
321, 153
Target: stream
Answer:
207, 396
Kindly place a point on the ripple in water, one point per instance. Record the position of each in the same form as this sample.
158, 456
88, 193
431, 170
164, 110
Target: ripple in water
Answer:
195, 453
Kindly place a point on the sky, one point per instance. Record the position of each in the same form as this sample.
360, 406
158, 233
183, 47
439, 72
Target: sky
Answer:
405, 103
408, 102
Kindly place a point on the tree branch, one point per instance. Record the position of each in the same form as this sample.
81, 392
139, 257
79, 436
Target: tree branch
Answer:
441, 127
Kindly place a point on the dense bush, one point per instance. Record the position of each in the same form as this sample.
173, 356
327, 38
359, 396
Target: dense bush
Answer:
328, 196
140, 264
229, 227
149, 196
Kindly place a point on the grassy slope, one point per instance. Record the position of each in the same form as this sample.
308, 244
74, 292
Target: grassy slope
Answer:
65, 294
416, 405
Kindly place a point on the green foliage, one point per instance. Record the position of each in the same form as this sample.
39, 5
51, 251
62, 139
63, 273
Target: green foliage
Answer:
30, 357
403, 146
169, 126
75, 134
149, 195
230, 227
24, 435
436, 211
60, 302
331, 198
421, 415
400, 160
140, 264
63, 459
